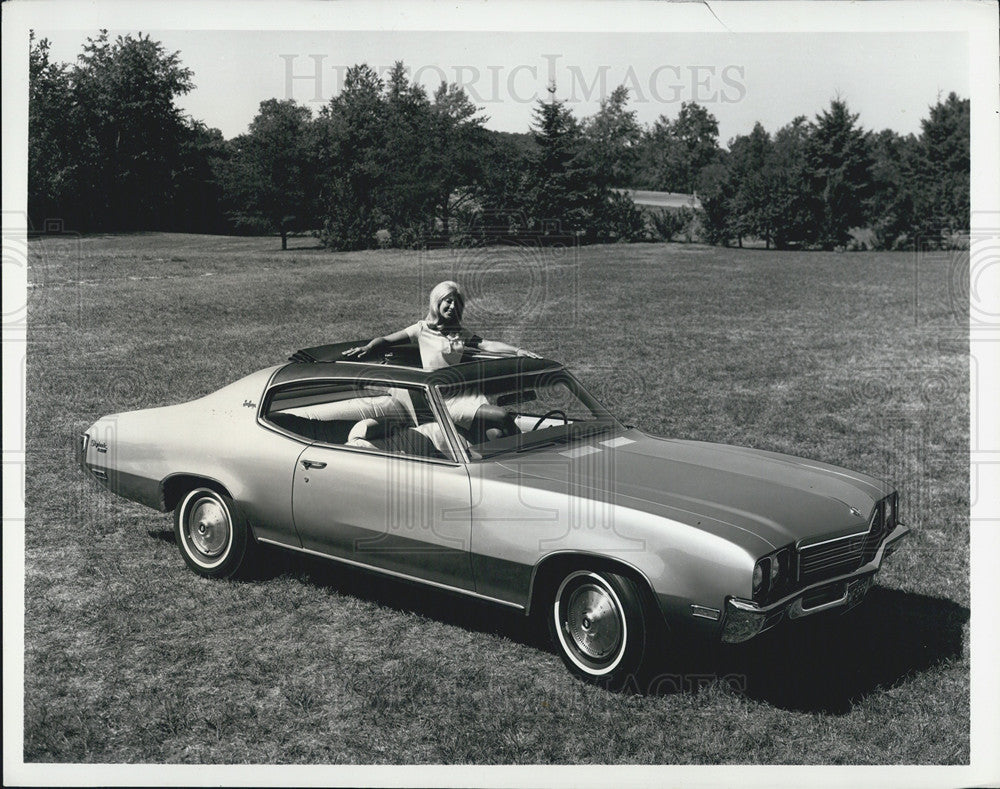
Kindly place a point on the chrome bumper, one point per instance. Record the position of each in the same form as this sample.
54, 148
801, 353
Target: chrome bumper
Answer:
745, 619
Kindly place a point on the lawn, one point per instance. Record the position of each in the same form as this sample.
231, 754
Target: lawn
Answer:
855, 359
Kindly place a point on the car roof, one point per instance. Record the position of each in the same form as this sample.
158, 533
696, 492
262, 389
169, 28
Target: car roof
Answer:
400, 364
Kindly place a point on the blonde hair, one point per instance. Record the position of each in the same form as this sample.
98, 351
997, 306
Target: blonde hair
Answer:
439, 292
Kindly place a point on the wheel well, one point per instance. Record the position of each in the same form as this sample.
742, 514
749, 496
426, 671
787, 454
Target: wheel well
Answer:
553, 568
178, 486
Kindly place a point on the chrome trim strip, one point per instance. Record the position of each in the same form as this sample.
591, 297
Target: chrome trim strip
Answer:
834, 539
458, 448
393, 573
383, 454
705, 612
797, 609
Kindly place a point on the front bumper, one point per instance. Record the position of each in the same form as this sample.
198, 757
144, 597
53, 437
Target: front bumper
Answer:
745, 619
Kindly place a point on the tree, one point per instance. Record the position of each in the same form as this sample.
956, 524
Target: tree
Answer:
838, 169
123, 107
660, 159
198, 201
405, 206
610, 140
718, 223
564, 187
558, 183
457, 144
350, 146
698, 132
267, 177
51, 161
105, 134
502, 196
941, 167
752, 184
793, 206
890, 208
672, 153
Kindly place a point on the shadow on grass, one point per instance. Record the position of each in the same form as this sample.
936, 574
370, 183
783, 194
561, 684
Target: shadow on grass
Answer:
827, 663
449, 607
831, 662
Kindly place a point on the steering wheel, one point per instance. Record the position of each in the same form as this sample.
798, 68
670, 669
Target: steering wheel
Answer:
547, 414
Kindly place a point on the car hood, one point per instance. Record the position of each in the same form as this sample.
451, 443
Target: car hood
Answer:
778, 498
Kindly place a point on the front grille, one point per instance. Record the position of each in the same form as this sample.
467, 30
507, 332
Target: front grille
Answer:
844, 554
832, 558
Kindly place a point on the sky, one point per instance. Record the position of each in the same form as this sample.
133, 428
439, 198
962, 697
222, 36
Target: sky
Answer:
889, 79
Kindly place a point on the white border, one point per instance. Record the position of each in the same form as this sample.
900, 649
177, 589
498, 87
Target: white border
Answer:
979, 19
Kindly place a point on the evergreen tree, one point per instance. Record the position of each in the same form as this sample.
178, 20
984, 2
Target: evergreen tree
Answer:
559, 188
890, 208
502, 198
941, 166
838, 169
565, 190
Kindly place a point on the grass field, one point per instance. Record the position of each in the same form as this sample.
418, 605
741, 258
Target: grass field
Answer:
856, 359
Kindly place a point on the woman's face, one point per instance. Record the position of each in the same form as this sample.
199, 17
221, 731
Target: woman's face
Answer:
448, 308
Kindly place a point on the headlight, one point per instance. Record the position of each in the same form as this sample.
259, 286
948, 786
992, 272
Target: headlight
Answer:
758, 575
772, 573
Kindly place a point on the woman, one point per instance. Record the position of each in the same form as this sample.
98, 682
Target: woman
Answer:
442, 341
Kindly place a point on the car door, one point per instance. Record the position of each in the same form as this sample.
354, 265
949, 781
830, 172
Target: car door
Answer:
401, 507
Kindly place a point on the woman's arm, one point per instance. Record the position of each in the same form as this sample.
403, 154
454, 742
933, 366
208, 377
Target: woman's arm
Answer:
395, 338
495, 346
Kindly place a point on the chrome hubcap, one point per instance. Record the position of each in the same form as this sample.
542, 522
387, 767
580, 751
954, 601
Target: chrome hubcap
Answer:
593, 621
210, 532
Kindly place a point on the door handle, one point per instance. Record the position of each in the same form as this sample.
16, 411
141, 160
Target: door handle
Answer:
313, 464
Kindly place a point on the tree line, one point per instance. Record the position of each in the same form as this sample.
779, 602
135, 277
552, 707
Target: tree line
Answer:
385, 163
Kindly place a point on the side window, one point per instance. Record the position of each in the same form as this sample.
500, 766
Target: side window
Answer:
391, 419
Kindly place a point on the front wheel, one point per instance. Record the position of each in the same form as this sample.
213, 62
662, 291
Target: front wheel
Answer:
598, 625
212, 535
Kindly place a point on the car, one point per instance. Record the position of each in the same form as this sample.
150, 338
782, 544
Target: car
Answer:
623, 542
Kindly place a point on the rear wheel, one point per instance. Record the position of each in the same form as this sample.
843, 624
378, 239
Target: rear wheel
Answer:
213, 537
599, 626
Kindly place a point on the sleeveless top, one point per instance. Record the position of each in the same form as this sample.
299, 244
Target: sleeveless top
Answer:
439, 350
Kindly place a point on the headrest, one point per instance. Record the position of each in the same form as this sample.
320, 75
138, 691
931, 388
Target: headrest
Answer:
368, 430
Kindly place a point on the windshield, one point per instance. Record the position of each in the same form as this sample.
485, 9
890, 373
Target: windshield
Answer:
520, 412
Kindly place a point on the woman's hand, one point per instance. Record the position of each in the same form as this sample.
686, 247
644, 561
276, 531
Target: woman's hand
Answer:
529, 354
358, 350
